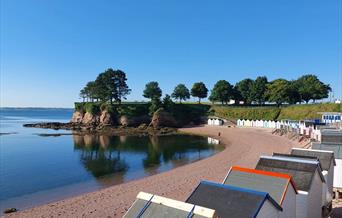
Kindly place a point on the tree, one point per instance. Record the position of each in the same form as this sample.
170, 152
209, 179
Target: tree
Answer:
90, 91
83, 94
237, 96
152, 91
222, 92
120, 85
311, 88
199, 90
258, 89
168, 103
293, 94
278, 91
111, 86
181, 92
245, 89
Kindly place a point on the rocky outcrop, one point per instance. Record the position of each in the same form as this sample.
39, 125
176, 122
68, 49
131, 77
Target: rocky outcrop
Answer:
77, 117
162, 118
134, 121
90, 119
107, 119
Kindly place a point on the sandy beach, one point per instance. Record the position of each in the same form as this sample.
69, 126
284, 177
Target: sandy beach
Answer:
243, 147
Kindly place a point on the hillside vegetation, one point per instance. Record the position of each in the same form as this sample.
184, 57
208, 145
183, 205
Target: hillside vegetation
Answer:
252, 113
293, 112
298, 112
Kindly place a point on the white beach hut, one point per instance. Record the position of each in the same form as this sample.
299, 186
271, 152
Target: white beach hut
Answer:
307, 175
337, 149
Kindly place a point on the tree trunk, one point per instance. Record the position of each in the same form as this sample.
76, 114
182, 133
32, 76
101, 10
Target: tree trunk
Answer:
199, 100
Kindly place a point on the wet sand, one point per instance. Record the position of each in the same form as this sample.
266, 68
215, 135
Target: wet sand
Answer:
243, 148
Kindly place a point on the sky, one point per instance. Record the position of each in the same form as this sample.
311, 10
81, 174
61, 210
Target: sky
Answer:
51, 49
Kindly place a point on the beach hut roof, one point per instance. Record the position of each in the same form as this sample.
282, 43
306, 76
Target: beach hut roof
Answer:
302, 171
276, 184
325, 157
230, 201
334, 147
149, 205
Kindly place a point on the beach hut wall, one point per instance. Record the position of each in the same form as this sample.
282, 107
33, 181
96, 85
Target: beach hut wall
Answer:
154, 206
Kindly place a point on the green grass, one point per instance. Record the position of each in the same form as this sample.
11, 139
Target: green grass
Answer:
310, 111
235, 112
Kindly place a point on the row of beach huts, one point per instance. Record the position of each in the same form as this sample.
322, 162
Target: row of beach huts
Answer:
299, 184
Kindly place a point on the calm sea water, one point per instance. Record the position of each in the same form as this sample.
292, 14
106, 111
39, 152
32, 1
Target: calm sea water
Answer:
36, 169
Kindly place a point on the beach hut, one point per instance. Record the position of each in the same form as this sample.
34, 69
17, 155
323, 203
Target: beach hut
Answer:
337, 149
230, 201
331, 136
248, 123
149, 205
278, 185
326, 197
307, 175
326, 159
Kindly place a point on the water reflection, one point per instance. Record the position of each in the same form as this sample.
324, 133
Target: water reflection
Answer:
103, 155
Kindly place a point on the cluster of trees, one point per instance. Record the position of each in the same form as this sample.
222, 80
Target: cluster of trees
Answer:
110, 86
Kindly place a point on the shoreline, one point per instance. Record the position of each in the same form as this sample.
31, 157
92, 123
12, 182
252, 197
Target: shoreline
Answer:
241, 148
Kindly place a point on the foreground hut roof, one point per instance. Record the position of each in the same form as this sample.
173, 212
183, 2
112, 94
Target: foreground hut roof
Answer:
154, 206
276, 184
336, 148
302, 171
326, 157
230, 201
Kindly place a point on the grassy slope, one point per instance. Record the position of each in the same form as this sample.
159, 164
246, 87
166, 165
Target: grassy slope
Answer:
294, 112
298, 112
254, 113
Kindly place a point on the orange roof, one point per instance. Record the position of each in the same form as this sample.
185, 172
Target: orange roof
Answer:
268, 173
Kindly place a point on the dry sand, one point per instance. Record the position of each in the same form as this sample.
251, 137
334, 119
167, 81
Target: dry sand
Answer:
243, 147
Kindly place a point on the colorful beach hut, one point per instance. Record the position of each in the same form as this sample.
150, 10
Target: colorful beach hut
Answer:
149, 205
307, 175
278, 185
231, 201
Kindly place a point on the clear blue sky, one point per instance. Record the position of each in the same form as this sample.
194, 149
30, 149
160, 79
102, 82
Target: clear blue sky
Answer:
50, 49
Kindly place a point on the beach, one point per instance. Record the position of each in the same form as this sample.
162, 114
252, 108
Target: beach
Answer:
243, 148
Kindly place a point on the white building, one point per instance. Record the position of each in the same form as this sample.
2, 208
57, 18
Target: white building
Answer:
331, 117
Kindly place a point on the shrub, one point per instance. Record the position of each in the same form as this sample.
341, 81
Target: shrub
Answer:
92, 107
79, 107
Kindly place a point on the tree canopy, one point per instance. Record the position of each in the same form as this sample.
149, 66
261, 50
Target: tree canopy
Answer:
258, 90
221, 92
311, 88
152, 91
181, 92
109, 86
278, 91
244, 88
199, 90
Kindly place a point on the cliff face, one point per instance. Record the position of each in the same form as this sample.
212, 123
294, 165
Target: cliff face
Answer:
105, 118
